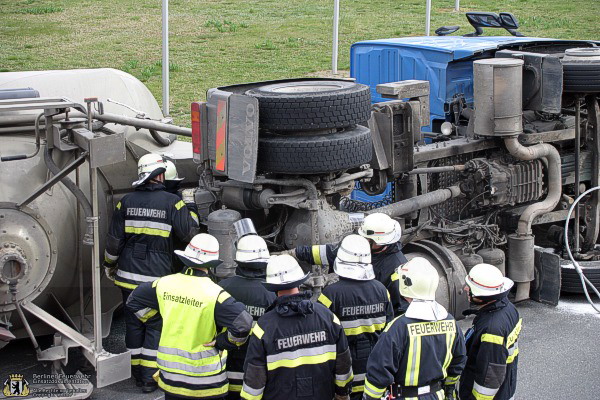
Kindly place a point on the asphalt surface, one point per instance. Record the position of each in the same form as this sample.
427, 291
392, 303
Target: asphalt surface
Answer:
559, 355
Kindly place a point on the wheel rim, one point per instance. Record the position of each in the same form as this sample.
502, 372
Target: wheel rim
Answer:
307, 87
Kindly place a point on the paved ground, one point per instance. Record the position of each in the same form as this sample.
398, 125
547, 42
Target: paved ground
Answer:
559, 357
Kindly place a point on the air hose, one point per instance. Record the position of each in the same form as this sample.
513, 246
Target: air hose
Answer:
582, 277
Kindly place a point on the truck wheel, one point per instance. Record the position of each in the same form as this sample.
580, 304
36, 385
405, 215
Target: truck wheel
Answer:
581, 70
316, 153
570, 282
312, 105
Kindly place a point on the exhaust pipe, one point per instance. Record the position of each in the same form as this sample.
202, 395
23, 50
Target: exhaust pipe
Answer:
499, 113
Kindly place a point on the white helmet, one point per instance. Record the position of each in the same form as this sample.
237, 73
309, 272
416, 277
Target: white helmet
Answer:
202, 251
487, 280
252, 248
149, 166
380, 228
171, 172
353, 259
284, 272
418, 279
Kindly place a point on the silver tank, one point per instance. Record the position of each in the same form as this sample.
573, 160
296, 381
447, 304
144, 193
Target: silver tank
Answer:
40, 242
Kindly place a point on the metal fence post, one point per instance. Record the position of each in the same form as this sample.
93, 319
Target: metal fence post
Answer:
336, 22
165, 57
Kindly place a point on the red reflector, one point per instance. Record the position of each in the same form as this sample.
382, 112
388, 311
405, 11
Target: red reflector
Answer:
196, 128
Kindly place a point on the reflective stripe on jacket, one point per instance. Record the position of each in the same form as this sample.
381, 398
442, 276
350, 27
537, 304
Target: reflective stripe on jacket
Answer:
493, 353
363, 308
297, 350
141, 234
384, 263
247, 288
194, 310
416, 353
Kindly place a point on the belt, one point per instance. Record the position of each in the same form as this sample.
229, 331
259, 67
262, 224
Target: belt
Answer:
416, 391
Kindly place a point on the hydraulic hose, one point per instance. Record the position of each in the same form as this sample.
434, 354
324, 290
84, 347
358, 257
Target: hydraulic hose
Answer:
164, 142
79, 195
537, 151
419, 202
582, 277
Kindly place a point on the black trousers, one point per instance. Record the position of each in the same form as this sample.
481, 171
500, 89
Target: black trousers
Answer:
142, 341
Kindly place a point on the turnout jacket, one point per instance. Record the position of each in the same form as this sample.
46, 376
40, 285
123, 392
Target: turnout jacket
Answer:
298, 350
384, 263
140, 236
246, 287
493, 353
200, 322
363, 308
413, 354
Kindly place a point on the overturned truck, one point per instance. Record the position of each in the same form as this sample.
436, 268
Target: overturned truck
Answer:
478, 146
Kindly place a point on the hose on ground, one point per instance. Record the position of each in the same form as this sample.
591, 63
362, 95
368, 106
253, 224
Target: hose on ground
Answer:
582, 277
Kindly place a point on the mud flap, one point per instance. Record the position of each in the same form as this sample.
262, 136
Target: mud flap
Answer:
545, 287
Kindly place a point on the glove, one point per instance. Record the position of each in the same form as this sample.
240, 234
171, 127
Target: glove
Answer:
187, 195
110, 270
450, 392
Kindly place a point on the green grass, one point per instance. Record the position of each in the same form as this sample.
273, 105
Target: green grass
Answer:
219, 42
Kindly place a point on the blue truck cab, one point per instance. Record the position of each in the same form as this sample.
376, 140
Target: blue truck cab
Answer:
445, 61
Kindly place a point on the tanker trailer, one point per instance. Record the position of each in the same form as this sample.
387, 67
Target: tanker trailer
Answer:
54, 142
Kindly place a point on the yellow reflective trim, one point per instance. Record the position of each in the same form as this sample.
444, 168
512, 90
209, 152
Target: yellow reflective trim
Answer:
450, 380
387, 328
415, 380
257, 331
324, 300
316, 255
358, 389
248, 396
395, 277
144, 363
125, 285
193, 393
211, 360
148, 315
154, 283
488, 337
235, 388
449, 343
512, 357
147, 231
303, 360
371, 390
179, 204
345, 382
223, 296
118, 205
479, 396
514, 335
364, 329
336, 319
409, 361
195, 216
389, 297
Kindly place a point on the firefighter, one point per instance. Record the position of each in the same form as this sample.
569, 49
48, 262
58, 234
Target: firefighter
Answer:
492, 342
298, 349
195, 311
172, 185
140, 241
360, 302
383, 234
251, 257
423, 351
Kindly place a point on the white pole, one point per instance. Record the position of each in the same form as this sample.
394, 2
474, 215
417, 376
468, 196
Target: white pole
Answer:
336, 22
165, 57
428, 17
457, 5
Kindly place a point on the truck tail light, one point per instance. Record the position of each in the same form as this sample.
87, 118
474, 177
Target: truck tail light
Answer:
197, 131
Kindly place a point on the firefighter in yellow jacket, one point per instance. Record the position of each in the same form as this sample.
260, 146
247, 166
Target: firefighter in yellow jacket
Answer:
200, 322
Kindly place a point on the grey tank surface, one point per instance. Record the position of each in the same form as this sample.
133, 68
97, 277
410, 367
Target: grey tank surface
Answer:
42, 241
